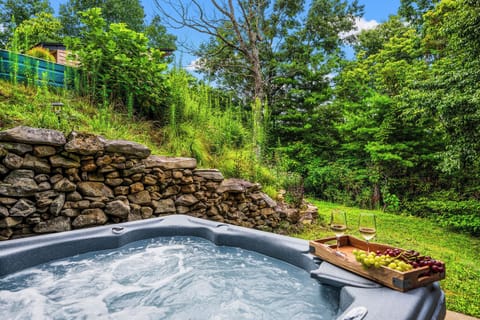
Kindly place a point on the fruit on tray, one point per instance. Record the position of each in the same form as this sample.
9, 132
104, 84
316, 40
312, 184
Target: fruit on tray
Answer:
399, 260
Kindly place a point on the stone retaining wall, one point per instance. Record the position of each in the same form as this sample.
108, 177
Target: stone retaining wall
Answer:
52, 183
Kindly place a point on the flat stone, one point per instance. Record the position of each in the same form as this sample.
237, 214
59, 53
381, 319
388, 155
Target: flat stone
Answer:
172, 190
117, 208
57, 224
72, 213
20, 174
18, 148
94, 189
12, 161
64, 185
140, 198
3, 169
19, 183
84, 143
44, 151
134, 170
46, 194
209, 174
59, 161
29, 135
263, 196
103, 160
44, 202
129, 148
183, 210
164, 206
113, 182
9, 222
90, 217
233, 186
74, 196
170, 163
39, 165
7, 201
42, 178
186, 200
23, 208
136, 187
149, 180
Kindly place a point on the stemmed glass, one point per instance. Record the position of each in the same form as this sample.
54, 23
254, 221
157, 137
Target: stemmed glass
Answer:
338, 224
367, 225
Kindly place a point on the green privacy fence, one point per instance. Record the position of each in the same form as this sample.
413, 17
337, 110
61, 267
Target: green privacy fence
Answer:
21, 68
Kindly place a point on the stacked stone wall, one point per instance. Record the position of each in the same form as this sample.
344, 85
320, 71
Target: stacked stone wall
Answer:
52, 183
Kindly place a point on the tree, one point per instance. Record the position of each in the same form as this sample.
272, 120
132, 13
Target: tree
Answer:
246, 36
454, 86
43, 27
129, 12
413, 10
118, 67
158, 36
14, 12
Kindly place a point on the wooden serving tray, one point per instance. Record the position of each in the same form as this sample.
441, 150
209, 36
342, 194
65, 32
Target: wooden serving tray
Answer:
401, 281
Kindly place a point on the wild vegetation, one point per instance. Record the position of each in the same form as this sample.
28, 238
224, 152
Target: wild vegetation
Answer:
394, 128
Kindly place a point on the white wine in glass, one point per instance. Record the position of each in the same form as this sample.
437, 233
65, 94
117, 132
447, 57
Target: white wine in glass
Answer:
338, 224
367, 226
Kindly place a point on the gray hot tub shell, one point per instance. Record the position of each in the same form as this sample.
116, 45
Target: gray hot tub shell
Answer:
356, 293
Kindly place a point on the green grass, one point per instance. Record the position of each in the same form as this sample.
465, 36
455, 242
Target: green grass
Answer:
460, 252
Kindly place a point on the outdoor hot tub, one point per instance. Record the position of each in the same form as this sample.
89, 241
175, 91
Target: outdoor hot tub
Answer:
352, 297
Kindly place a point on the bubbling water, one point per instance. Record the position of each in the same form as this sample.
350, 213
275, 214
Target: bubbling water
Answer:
166, 278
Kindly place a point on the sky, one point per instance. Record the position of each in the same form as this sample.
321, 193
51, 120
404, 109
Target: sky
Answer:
375, 12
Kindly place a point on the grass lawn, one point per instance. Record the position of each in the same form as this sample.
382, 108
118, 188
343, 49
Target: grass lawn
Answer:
460, 252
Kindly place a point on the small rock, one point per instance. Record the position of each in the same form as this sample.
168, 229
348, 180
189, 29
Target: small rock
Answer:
136, 187
90, 217
127, 148
57, 224
64, 185
44, 151
17, 148
140, 198
164, 206
94, 189
9, 222
12, 161
117, 208
186, 200
59, 161
84, 143
57, 204
23, 208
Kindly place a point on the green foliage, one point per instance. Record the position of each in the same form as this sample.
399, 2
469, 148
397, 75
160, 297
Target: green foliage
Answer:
461, 215
117, 66
41, 53
43, 27
14, 12
129, 12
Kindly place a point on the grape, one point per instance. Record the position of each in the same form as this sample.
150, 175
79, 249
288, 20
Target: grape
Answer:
398, 259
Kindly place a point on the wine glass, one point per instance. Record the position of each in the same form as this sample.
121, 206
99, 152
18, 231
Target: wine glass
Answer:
367, 225
338, 224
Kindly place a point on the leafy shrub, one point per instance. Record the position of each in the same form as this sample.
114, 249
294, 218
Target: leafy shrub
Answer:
463, 215
117, 66
41, 53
